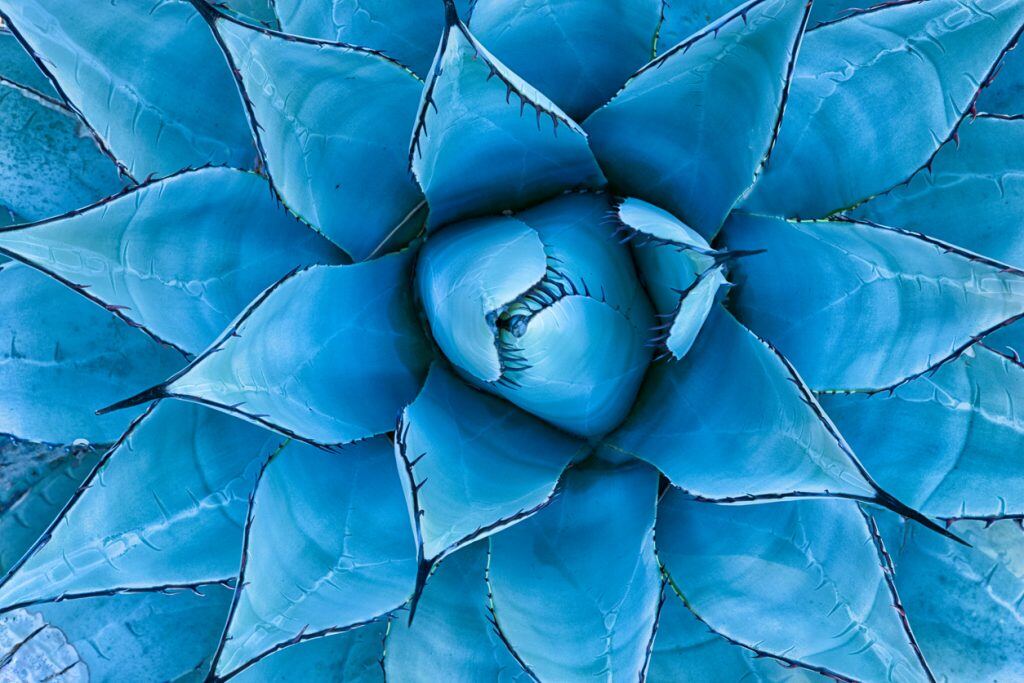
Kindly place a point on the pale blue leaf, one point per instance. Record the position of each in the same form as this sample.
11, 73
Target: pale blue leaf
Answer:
800, 581
581, 363
36, 481
694, 307
352, 656
1005, 94
49, 162
732, 420
37, 651
407, 30
161, 96
691, 129
165, 507
687, 651
329, 355
466, 276
486, 141
63, 357
858, 306
874, 96
947, 443
19, 67
328, 548
972, 196
576, 52
965, 603
144, 638
180, 257
333, 126
473, 464
453, 636
582, 574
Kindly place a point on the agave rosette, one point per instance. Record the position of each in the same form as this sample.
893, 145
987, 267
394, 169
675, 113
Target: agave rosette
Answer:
699, 334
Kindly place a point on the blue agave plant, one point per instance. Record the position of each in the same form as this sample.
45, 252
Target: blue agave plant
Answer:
698, 332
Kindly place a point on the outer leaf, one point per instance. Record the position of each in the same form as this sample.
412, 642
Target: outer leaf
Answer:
179, 257
733, 420
332, 123
946, 443
329, 355
973, 632
582, 573
473, 464
453, 637
148, 638
475, 151
986, 169
875, 95
36, 481
328, 549
689, 131
686, 650
463, 288
158, 96
1005, 94
262, 11
578, 53
48, 165
680, 20
875, 306
164, 507
63, 357
19, 67
407, 30
799, 581
353, 656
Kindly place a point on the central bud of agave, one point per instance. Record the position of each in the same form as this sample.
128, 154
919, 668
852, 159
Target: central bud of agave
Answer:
544, 308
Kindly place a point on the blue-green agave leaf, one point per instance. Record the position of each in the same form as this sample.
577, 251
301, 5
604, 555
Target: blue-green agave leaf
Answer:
263, 12
36, 481
733, 420
49, 163
965, 603
1004, 94
63, 357
332, 123
690, 130
179, 257
680, 19
578, 53
453, 636
407, 30
874, 306
327, 548
328, 355
473, 464
946, 443
351, 656
986, 169
466, 275
582, 573
875, 95
799, 581
583, 381
148, 637
165, 507
486, 141
154, 120
18, 67
37, 651
686, 650
694, 307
